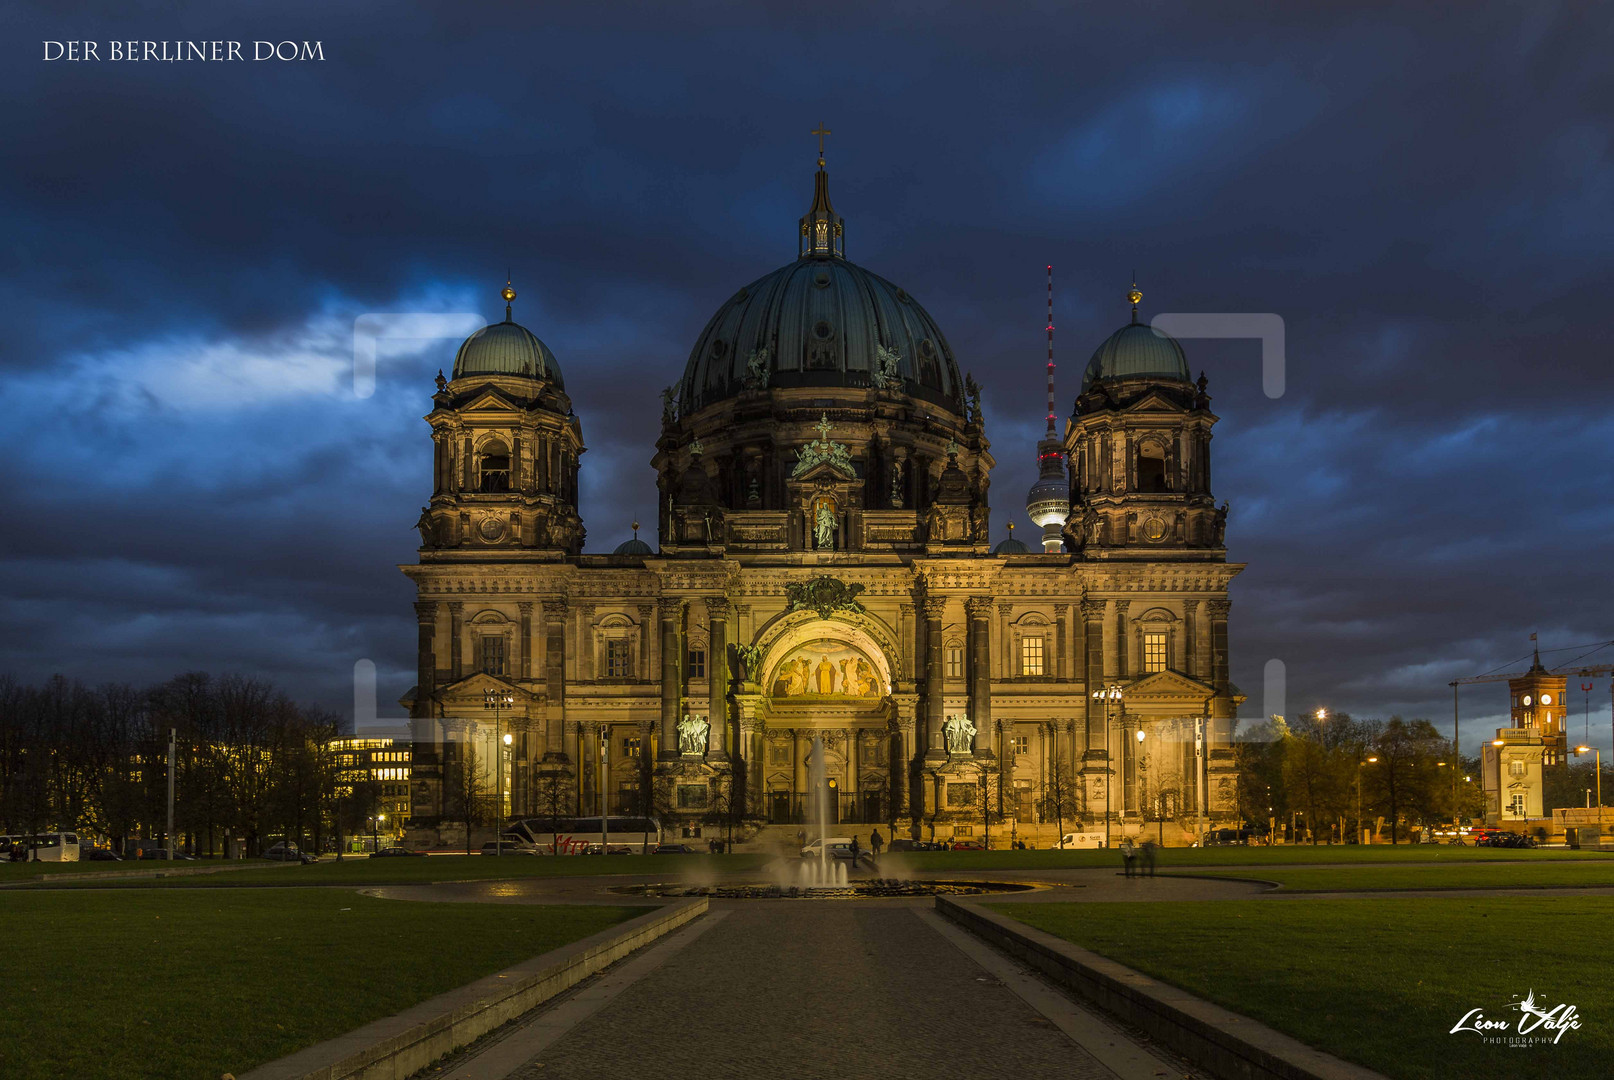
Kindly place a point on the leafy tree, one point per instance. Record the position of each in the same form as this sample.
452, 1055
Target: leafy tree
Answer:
1407, 775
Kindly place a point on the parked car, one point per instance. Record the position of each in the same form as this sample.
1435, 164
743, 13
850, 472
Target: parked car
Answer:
97, 854
966, 845
672, 849
395, 852
902, 843
284, 852
814, 846
1227, 837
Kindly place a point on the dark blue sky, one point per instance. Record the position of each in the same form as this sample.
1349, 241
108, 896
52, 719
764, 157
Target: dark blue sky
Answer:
1426, 199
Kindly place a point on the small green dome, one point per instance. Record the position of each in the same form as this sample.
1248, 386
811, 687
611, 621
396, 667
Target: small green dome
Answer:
1137, 351
1011, 546
506, 348
633, 547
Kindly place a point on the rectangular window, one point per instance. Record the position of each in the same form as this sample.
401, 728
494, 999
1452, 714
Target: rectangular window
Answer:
697, 663
955, 662
1515, 768
963, 830
1022, 745
630, 746
691, 796
616, 658
1154, 652
493, 654
1031, 656
1516, 806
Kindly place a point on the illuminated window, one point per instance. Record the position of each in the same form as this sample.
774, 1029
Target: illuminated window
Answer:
955, 662
1022, 744
493, 654
697, 663
963, 830
1515, 768
1516, 806
1154, 652
616, 659
1031, 656
630, 746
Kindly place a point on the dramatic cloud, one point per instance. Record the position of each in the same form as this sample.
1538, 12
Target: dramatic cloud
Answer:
1426, 200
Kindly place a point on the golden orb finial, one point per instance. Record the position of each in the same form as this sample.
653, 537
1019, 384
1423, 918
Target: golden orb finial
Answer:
635, 530
1133, 295
507, 292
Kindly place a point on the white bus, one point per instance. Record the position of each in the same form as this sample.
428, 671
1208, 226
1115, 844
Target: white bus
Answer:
577, 835
54, 847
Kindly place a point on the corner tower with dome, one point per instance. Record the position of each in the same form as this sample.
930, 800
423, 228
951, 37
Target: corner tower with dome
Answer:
822, 616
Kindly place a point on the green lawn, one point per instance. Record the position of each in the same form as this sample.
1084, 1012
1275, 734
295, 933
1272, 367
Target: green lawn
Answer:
1378, 982
1471, 876
929, 861
403, 871
170, 985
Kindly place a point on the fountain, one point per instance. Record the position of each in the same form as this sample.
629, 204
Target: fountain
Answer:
827, 872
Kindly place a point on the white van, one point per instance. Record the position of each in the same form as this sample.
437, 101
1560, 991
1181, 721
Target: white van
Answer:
1081, 840
844, 843
55, 847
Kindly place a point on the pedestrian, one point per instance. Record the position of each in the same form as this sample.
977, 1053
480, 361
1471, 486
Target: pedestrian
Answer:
1128, 853
876, 842
801, 838
1148, 856
854, 849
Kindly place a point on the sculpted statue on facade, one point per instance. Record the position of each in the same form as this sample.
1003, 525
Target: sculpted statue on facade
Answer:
693, 732
959, 730
824, 528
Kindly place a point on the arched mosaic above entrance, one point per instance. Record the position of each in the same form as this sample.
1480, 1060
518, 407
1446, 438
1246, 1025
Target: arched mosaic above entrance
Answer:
824, 668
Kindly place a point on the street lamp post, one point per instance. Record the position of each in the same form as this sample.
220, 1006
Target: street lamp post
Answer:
1599, 766
496, 700
1160, 811
1359, 765
1108, 695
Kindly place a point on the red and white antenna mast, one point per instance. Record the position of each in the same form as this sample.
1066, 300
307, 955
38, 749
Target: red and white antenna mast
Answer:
1050, 351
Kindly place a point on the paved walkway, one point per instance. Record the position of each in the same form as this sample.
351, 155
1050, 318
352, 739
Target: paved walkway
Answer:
833, 989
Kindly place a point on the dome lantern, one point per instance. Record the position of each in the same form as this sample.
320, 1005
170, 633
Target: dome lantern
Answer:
822, 229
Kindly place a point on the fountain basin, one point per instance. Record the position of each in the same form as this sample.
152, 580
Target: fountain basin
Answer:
863, 889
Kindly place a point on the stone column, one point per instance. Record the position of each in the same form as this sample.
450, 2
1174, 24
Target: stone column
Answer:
934, 607
1061, 642
979, 612
672, 614
854, 768
456, 632
585, 642
525, 645
1112, 656
588, 766
426, 656
555, 680
906, 634
800, 743
1218, 642
1202, 641
1123, 655
751, 752
647, 614
1183, 660
569, 742
1006, 663
717, 678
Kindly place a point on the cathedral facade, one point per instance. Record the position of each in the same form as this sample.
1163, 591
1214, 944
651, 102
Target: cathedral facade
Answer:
823, 620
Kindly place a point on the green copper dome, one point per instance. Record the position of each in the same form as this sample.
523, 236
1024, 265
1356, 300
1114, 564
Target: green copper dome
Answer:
1137, 351
506, 348
821, 321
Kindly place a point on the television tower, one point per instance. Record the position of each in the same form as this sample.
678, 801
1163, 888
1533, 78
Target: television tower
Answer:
1048, 501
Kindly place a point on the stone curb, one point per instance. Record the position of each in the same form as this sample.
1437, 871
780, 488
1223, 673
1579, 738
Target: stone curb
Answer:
1230, 1046
399, 1046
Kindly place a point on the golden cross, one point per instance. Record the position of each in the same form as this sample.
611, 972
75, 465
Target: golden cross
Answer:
820, 131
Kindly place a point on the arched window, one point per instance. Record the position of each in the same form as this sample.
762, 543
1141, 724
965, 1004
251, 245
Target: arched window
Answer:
1152, 467
494, 467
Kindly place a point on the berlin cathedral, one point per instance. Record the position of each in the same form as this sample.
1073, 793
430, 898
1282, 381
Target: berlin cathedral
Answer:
823, 615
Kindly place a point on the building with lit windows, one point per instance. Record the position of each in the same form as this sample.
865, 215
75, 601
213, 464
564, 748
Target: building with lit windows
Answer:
378, 771
824, 611
1514, 765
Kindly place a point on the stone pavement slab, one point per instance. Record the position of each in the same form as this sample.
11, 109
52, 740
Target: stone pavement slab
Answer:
822, 989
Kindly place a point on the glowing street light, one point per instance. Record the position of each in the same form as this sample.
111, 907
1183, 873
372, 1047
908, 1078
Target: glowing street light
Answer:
497, 700
1108, 695
1359, 766
1599, 766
